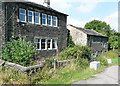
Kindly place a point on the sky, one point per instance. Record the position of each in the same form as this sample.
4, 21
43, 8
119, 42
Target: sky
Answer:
83, 11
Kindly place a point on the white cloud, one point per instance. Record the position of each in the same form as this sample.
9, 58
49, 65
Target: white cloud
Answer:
86, 7
76, 22
112, 19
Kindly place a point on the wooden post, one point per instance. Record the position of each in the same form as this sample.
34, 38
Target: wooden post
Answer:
55, 64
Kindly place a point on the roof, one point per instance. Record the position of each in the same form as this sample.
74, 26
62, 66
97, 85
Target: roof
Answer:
89, 31
35, 4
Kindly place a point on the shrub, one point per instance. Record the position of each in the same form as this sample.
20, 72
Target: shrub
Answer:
76, 52
82, 63
81, 54
70, 42
18, 51
103, 61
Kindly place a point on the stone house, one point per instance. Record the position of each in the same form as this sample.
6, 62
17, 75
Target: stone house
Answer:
43, 26
91, 38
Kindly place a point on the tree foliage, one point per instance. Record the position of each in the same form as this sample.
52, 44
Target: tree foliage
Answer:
99, 26
18, 51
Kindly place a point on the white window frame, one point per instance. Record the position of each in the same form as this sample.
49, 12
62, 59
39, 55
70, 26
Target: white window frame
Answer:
56, 21
46, 43
30, 16
22, 14
44, 18
37, 17
49, 19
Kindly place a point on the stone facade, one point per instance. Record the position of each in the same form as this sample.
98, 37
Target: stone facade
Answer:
91, 38
78, 37
31, 31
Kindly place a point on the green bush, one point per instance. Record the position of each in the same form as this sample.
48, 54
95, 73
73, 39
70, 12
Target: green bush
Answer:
103, 61
18, 51
76, 52
82, 55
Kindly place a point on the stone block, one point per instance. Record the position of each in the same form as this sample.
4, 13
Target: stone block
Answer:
95, 65
109, 61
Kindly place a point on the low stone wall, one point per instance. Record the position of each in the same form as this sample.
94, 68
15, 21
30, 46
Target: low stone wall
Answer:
19, 67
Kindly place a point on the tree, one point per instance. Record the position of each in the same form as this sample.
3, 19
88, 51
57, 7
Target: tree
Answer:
113, 41
99, 26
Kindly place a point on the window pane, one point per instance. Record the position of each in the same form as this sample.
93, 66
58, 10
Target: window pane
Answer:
54, 21
54, 44
22, 15
44, 19
37, 43
49, 20
30, 16
37, 18
42, 43
48, 44
30, 19
22, 11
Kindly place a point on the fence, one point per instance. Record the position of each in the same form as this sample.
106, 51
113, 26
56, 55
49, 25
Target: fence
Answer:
60, 64
57, 65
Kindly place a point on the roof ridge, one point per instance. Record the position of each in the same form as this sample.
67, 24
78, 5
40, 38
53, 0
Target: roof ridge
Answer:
88, 31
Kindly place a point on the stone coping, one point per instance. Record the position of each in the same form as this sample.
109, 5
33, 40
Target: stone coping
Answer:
19, 67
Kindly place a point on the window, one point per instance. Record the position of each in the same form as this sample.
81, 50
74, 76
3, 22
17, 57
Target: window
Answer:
54, 44
30, 17
45, 44
44, 19
37, 18
37, 42
22, 15
49, 20
49, 42
54, 21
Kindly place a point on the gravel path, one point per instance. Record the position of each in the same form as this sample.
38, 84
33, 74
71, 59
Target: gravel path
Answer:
109, 76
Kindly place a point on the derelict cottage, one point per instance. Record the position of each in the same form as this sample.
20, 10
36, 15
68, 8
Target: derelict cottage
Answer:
42, 25
91, 38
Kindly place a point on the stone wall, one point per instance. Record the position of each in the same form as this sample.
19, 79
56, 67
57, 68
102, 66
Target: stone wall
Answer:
78, 37
2, 26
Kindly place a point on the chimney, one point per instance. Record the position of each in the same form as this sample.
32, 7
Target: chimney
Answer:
46, 3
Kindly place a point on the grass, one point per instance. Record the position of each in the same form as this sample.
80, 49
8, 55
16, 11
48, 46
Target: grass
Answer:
71, 75
115, 61
10, 76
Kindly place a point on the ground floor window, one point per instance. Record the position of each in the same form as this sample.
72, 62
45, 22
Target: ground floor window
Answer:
45, 44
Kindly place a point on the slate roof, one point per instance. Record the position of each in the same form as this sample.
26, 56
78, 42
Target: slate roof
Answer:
35, 4
89, 31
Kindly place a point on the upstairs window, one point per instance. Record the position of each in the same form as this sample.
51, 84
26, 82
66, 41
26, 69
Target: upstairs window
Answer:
49, 20
55, 21
30, 17
44, 19
22, 15
37, 18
